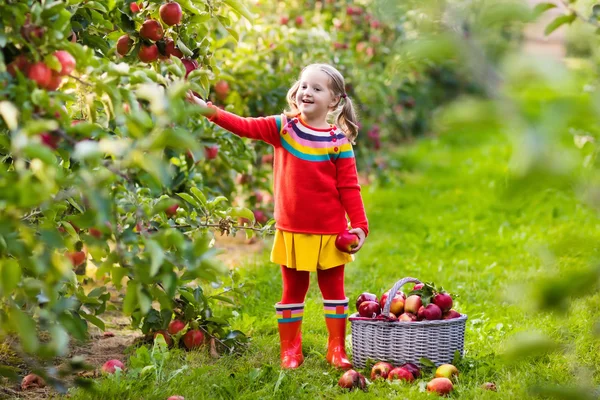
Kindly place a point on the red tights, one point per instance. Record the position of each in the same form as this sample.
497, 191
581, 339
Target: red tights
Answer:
295, 284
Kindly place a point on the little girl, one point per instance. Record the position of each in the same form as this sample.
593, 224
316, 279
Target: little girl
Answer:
315, 187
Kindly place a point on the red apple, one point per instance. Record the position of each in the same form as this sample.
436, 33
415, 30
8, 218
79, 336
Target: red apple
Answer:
32, 381
346, 241
95, 233
413, 369
108, 334
175, 326
402, 374
40, 74
418, 286
397, 306
110, 366
369, 309
171, 210
407, 317
171, 50
134, 7
446, 371
352, 379
443, 301
151, 29
489, 386
260, 216
299, 20
222, 89
193, 338
165, 335
267, 159
170, 13
388, 318
451, 314
77, 258
50, 140
20, 63
412, 304
381, 370
189, 65
67, 61
365, 297
55, 81
284, 20
148, 54
441, 386
421, 313
385, 296
432, 312
124, 44
176, 398
211, 152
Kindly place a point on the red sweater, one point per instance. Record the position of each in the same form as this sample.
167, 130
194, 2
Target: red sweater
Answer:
315, 178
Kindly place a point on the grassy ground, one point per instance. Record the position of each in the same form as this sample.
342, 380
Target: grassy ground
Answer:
445, 219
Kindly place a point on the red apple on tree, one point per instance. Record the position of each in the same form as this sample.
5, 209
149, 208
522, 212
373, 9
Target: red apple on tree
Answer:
151, 29
20, 63
222, 89
211, 152
284, 20
381, 370
412, 304
77, 257
260, 216
40, 74
124, 44
365, 297
441, 386
175, 326
193, 338
299, 20
402, 374
148, 54
170, 13
189, 65
134, 7
443, 301
95, 232
67, 62
432, 312
369, 309
352, 379
171, 210
346, 241
55, 81
110, 366
50, 140
171, 50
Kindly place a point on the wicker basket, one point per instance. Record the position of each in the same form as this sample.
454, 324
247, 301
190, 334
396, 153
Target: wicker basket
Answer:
399, 342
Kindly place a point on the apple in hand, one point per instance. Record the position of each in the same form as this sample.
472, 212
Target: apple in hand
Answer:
451, 314
412, 304
346, 241
366, 296
352, 379
110, 366
402, 374
432, 312
443, 301
369, 309
441, 386
446, 371
381, 370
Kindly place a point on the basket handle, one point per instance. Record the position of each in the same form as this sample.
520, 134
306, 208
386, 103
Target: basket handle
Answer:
394, 290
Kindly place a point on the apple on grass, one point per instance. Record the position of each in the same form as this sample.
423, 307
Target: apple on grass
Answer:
176, 398
32, 381
346, 241
175, 326
193, 338
111, 366
381, 370
366, 296
352, 379
400, 373
441, 386
413, 369
446, 371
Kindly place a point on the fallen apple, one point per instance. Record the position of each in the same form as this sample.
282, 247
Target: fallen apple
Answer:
369, 309
176, 398
381, 370
441, 386
366, 296
352, 379
175, 326
412, 304
443, 301
32, 381
413, 369
193, 339
400, 373
489, 386
111, 366
432, 312
346, 241
446, 371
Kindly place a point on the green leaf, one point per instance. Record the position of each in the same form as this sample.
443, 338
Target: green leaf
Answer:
157, 256
240, 9
223, 298
558, 22
199, 195
189, 199
25, 327
10, 275
130, 301
93, 319
542, 7
242, 212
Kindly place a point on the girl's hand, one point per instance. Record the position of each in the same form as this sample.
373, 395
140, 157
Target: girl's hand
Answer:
192, 98
361, 238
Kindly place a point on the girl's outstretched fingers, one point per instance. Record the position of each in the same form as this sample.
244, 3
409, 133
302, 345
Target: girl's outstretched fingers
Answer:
192, 98
361, 238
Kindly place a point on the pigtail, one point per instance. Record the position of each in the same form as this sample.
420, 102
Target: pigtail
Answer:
347, 119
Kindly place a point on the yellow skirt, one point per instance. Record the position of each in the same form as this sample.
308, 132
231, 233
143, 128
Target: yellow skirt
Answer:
307, 252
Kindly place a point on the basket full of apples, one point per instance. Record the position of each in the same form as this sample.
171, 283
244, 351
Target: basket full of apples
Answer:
403, 329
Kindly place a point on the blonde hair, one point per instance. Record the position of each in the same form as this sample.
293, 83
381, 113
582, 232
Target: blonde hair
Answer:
346, 117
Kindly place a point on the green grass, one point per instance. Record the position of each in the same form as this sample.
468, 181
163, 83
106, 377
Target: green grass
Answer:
446, 218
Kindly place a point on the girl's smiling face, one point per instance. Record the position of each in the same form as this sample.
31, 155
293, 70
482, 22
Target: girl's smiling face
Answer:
314, 98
